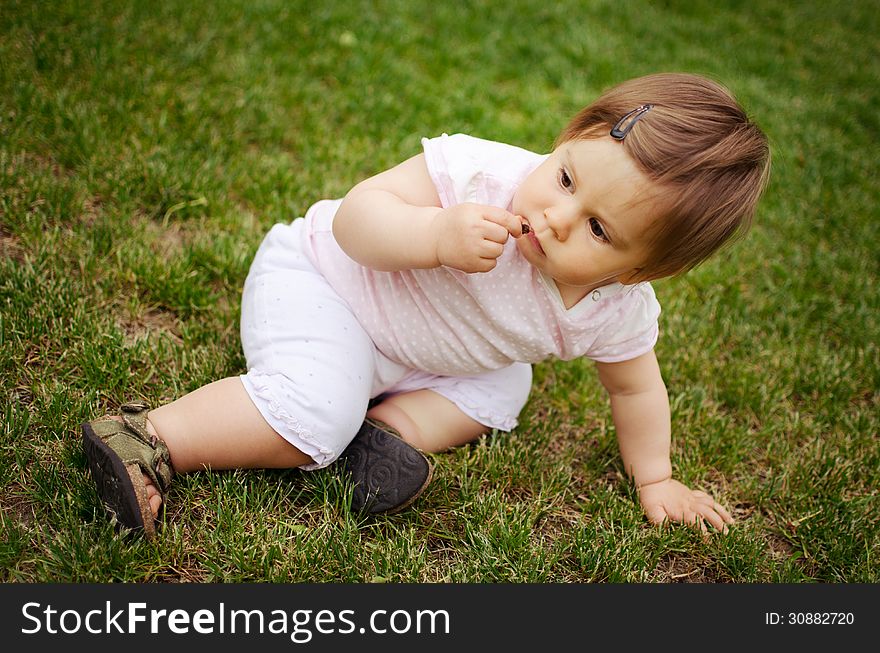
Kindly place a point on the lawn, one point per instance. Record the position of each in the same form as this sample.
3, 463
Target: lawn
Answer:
146, 148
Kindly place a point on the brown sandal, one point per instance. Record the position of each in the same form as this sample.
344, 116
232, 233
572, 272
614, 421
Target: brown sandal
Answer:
119, 454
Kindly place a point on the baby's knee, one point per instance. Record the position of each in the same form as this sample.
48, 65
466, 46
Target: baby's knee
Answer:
393, 415
320, 423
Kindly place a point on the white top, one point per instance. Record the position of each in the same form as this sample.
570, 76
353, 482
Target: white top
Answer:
452, 323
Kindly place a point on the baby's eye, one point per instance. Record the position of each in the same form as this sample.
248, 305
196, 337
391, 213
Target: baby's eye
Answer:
564, 179
597, 230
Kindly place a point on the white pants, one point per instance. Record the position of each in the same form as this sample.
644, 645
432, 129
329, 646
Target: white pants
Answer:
312, 369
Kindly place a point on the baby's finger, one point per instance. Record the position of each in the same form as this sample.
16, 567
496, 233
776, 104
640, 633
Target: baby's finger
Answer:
725, 515
707, 500
495, 232
713, 517
511, 223
491, 249
485, 265
698, 521
655, 514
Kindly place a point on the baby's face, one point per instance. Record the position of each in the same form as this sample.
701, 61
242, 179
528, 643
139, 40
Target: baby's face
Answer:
589, 208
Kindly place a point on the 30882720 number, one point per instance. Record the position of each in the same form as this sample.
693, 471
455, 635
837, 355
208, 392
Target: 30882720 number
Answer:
820, 618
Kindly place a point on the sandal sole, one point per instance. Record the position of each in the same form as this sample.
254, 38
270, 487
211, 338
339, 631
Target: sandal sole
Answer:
120, 486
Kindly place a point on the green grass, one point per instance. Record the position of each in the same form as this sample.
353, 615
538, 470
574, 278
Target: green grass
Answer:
146, 148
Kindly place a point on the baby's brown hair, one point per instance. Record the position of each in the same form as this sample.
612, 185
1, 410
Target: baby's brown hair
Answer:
699, 146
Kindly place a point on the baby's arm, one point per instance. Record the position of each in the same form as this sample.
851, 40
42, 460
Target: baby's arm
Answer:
640, 409
394, 221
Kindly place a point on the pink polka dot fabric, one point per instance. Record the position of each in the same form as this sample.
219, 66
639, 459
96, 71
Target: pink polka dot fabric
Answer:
447, 322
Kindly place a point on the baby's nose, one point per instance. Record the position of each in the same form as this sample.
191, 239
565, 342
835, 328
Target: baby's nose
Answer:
559, 221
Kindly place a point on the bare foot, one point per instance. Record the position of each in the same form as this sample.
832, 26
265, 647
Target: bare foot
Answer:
153, 495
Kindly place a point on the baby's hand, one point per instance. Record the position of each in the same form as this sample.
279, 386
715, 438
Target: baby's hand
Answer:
470, 237
670, 499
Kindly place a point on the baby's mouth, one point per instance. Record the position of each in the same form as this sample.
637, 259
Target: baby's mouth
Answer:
534, 240
529, 233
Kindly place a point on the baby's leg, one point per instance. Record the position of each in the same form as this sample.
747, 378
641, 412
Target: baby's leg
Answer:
427, 420
218, 427
435, 413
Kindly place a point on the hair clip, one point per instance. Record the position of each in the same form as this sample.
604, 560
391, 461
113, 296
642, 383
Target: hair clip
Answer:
625, 124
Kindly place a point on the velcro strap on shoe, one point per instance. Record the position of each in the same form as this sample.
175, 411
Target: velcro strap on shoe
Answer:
164, 472
134, 417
